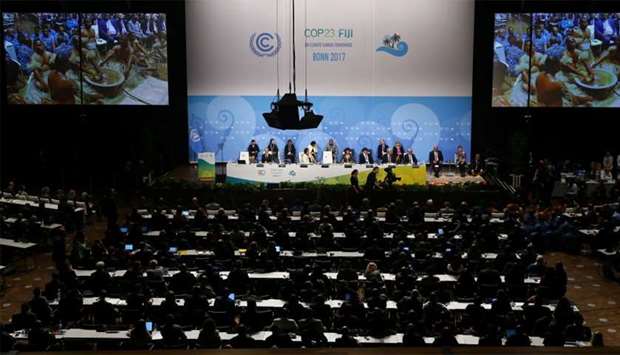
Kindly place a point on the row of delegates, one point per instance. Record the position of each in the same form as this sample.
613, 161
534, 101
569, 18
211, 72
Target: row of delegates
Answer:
393, 155
271, 153
435, 158
310, 154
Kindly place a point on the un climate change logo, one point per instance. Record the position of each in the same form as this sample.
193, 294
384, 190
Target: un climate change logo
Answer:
266, 44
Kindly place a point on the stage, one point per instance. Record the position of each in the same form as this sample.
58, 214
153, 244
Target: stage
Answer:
309, 174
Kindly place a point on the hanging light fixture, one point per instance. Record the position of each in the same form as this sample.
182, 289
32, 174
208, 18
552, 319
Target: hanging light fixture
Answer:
285, 111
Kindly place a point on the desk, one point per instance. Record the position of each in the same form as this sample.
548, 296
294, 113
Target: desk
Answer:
9, 243
282, 275
24, 248
78, 334
333, 174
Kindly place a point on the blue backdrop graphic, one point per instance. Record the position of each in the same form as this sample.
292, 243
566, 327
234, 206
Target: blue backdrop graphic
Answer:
226, 124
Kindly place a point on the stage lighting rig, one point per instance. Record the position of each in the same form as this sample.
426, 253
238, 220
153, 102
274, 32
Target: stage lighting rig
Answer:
285, 111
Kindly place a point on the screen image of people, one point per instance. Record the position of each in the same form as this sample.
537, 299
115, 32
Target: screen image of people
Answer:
511, 59
95, 59
42, 58
577, 62
125, 58
572, 60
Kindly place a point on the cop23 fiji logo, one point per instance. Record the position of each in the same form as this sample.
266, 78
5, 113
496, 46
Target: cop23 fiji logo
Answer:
265, 44
394, 45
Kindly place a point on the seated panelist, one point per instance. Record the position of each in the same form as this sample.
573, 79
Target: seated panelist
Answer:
365, 157
253, 150
290, 153
435, 159
410, 158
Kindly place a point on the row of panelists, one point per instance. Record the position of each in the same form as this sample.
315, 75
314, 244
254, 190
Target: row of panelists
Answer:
331, 154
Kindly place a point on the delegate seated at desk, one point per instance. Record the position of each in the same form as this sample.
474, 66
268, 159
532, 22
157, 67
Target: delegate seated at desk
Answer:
410, 158
270, 155
253, 150
435, 158
365, 157
290, 153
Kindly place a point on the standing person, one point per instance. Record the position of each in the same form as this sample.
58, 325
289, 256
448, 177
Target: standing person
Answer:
253, 150
356, 191
383, 152
355, 182
435, 158
460, 159
290, 153
371, 181
477, 165
333, 148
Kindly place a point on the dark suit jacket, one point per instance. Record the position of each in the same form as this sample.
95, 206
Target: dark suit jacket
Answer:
290, 154
253, 150
431, 157
380, 151
371, 181
410, 160
361, 160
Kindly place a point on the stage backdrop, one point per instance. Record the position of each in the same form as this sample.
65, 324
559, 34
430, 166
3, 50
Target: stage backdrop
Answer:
393, 69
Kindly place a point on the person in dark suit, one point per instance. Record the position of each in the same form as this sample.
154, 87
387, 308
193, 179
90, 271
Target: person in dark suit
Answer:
365, 157
435, 158
410, 158
253, 150
477, 165
355, 184
460, 158
383, 152
271, 152
290, 153
371, 181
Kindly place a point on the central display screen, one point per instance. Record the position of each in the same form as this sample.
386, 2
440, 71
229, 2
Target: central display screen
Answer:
556, 60
86, 58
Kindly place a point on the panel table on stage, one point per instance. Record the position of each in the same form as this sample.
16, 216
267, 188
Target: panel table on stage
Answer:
329, 174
